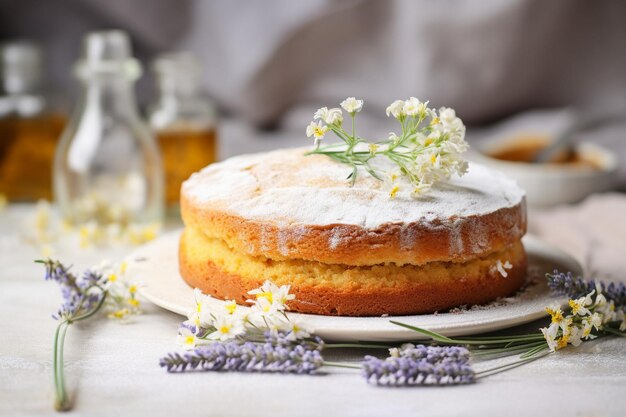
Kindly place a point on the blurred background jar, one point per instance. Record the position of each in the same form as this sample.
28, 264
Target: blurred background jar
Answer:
183, 121
30, 124
107, 167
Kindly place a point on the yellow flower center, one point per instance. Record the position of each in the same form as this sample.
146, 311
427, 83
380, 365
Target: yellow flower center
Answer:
433, 159
133, 302
132, 289
428, 142
557, 315
230, 308
224, 329
189, 340
319, 132
267, 295
575, 306
394, 191
112, 278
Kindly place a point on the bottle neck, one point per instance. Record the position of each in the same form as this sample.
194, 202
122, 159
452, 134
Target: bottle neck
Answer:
112, 95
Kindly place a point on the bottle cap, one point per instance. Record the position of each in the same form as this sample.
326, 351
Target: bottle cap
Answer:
107, 52
177, 71
20, 67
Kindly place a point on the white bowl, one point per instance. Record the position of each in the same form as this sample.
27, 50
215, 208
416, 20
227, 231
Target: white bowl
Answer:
552, 184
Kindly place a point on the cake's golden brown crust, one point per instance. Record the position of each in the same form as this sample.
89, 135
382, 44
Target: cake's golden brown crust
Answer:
353, 291
417, 243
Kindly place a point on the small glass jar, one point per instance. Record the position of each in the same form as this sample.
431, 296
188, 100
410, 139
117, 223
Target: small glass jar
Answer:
107, 167
183, 121
30, 125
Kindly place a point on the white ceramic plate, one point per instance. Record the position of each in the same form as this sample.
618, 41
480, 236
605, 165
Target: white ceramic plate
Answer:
155, 266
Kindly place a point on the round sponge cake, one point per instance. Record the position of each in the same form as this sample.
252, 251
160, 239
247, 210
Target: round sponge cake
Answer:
350, 250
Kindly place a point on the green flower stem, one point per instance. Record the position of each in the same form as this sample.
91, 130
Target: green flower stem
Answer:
341, 365
356, 345
510, 341
614, 332
503, 368
61, 401
482, 352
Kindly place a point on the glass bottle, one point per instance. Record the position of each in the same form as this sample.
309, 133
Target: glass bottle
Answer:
183, 121
30, 127
107, 166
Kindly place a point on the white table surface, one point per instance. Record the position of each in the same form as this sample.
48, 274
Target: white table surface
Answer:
113, 368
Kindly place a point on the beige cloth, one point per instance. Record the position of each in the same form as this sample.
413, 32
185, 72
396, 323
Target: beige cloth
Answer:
594, 232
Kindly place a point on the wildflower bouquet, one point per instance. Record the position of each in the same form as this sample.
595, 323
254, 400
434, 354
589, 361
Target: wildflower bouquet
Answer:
100, 287
428, 150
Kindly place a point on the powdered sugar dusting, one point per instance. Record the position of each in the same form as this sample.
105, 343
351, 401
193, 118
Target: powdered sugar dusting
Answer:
287, 188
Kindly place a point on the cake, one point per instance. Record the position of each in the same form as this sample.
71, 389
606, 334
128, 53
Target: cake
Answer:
350, 250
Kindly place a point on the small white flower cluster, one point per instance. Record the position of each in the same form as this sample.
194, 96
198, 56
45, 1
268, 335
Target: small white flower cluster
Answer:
588, 313
428, 150
206, 323
122, 300
45, 228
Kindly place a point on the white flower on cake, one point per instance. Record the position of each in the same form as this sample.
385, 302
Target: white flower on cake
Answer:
317, 130
414, 107
352, 105
427, 151
329, 116
396, 109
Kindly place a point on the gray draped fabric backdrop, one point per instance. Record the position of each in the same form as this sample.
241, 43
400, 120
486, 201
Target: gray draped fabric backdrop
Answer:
271, 63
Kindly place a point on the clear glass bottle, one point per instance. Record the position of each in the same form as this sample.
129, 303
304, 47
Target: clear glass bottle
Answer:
107, 166
30, 125
183, 121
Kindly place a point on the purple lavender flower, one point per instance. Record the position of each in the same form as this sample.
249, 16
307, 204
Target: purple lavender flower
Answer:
575, 287
56, 271
406, 371
245, 357
433, 354
281, 338
79, 295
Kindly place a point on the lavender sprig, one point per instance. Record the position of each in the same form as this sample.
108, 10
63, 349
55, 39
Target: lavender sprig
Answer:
407, 371
432, 354
246, 357
575, 287
82, 298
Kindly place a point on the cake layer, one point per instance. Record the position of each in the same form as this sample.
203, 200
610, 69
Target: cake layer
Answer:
334, 289
284, 205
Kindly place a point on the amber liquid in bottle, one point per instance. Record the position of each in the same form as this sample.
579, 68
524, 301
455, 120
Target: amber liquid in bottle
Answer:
27, 146
184, 151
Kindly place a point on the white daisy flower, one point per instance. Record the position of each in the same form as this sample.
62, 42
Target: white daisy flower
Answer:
352, 105
200, 315
414, 107
296, 331
549, 333
329, 116
396, 109
317, 130
227, 328
186, 338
